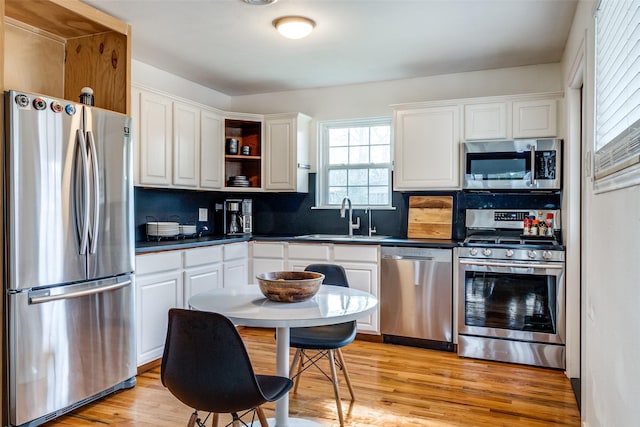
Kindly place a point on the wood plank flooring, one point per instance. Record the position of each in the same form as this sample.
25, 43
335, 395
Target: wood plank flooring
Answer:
394, 386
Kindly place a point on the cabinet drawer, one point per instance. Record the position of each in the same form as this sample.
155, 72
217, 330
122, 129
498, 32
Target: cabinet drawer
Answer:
236, 250
268, 250
317, 252
200, 256
157, 262
365, 253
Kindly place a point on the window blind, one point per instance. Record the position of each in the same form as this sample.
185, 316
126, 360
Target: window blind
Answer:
617, 139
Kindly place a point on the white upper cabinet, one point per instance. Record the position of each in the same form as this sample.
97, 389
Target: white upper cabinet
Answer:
155, 139
211, 150
426, 148
287, 152
536, 118
186, 145
485, 121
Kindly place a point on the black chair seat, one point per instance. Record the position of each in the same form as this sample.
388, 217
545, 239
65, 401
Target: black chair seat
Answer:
273, 387
323, 337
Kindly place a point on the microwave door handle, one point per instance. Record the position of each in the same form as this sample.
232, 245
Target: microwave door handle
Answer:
533, 165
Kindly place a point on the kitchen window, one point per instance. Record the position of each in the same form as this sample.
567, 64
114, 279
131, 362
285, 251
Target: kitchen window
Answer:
355, 161
617, 98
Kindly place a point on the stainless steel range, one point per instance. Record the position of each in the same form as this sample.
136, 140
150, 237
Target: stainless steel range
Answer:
511, 289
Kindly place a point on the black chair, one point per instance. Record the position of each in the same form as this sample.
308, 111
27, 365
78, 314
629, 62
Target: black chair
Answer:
206, 366
326, 341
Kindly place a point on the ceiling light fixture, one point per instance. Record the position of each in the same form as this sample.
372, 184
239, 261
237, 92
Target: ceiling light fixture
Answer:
294, 27
259, 2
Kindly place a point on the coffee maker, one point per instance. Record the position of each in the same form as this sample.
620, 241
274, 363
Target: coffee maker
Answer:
237, 216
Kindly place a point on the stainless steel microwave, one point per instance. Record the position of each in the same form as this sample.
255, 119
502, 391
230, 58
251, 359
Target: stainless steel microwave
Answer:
523, 164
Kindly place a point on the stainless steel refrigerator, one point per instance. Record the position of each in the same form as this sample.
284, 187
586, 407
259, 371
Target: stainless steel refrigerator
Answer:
69, 256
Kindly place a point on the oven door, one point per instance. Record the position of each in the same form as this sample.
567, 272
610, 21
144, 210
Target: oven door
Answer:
511, 300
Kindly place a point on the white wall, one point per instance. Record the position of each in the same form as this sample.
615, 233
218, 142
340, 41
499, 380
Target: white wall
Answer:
610, 268
147, 75
374, 99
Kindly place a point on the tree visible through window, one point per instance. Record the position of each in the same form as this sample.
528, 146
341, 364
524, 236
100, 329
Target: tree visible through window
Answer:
356, 160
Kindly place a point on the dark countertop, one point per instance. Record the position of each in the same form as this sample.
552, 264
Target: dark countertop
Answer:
173, 244
166, 245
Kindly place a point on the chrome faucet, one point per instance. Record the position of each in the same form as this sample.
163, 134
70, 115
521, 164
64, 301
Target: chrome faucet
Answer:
372, 230
343, 209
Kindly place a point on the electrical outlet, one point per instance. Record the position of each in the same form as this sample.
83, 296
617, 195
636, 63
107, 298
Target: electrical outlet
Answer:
203, 214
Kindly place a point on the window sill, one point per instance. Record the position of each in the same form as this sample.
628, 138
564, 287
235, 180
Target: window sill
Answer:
624, 178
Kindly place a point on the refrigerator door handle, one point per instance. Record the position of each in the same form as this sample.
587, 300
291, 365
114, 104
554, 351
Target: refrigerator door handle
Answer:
77, 294
96, 194
84, 234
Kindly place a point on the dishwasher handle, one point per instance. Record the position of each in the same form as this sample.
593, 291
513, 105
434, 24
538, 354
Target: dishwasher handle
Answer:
409, 257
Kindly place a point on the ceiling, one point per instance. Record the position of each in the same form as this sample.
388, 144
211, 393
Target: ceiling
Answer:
232, 47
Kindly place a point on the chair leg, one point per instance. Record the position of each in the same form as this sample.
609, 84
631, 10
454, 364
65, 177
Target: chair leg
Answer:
299, 358
346, 373
334, 380
261, 417
192, 419
214, 419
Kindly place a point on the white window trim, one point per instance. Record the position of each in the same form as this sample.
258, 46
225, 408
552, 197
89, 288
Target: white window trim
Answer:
616, 161
323, 155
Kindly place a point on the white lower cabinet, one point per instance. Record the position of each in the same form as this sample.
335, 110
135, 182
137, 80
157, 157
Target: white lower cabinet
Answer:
359, 261
158, 288
236, 265
203, 271
265, 257
166, 280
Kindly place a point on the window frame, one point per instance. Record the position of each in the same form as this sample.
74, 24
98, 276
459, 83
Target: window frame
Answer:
322, 184
616, 159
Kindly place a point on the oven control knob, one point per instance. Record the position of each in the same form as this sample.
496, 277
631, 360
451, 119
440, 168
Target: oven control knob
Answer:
532, 254
508, 253
547, 254
473, 252
486, 252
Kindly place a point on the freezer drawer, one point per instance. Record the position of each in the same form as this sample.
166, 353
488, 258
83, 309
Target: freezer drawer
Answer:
416, 293
68, 344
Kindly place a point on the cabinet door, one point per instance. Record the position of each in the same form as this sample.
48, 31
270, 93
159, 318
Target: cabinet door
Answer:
485, 121
287, 153
236, 273
236, 265
364, 276
211, 150
532, 119
186, 145
155, 295
155, 139
265, 257
426, 148
201, 279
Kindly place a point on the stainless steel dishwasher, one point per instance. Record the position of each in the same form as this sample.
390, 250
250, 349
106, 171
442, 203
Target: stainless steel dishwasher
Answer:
416, 296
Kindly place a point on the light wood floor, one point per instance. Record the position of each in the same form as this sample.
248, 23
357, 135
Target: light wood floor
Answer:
394, 386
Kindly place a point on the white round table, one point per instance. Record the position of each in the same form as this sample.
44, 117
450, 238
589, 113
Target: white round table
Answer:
246, 306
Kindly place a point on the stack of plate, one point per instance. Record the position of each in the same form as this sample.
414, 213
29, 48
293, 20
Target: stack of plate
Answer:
239, 181
187, 230
163, 229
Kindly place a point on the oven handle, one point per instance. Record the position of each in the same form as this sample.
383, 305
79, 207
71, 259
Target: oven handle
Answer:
511, 265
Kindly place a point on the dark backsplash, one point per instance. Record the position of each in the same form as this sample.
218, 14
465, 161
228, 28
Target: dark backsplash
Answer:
286, 214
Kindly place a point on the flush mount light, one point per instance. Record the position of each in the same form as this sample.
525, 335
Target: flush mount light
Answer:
294, 27
260, 2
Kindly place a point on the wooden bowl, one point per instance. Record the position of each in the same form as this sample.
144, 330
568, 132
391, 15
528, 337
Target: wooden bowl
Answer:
289, 286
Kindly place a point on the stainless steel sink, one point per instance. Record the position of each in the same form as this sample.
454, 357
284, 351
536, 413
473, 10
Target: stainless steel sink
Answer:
341, 237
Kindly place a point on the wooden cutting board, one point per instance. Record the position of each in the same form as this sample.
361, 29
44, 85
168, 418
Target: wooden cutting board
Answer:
430, 217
